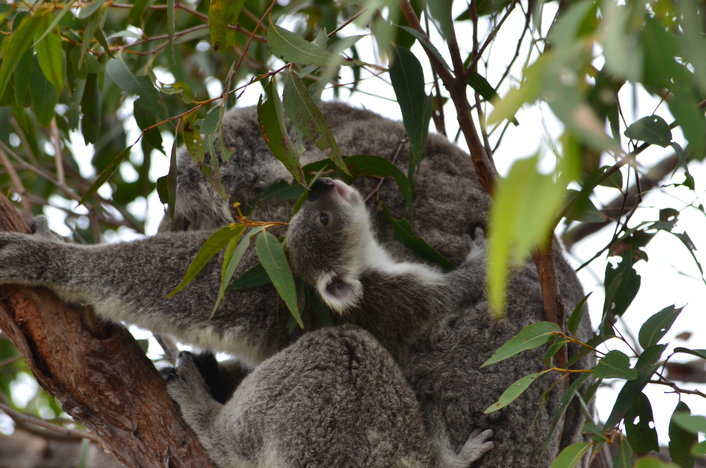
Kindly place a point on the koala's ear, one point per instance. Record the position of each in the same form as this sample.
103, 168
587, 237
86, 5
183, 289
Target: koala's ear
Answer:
340, 292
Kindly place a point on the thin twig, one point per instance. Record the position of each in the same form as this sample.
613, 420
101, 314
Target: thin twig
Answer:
27, 419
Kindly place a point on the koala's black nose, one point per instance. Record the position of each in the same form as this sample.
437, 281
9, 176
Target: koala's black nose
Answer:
321, 187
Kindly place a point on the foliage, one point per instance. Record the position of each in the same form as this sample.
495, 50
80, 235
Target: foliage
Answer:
77, 73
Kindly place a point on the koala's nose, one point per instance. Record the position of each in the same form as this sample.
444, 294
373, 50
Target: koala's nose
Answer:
321, 187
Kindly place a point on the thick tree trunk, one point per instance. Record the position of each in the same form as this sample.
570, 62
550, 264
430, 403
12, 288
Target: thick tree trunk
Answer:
98, 372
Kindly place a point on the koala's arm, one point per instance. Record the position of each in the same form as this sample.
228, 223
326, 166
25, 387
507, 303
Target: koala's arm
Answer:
130, 281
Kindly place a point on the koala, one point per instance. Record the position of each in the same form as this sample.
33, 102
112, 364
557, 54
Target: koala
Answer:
332, 246
333, 398
129, 282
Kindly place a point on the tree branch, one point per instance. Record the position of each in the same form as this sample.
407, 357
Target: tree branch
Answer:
103, 379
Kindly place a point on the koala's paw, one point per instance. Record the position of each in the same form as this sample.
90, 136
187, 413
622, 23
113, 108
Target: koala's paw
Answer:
184, 382
478, 444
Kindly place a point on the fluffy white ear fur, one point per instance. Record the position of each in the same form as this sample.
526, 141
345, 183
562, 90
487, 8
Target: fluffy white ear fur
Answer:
340, 292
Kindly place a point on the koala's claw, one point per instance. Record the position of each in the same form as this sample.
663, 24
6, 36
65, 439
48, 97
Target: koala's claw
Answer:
478, 444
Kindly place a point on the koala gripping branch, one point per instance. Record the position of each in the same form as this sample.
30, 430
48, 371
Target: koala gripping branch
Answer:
105, 382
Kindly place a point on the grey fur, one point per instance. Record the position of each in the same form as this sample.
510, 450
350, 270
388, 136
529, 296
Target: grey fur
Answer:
129, 282
333, 398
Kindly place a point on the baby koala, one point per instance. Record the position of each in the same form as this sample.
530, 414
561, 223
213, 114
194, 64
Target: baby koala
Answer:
332, 247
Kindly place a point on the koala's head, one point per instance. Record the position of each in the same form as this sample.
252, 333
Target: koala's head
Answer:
328, 241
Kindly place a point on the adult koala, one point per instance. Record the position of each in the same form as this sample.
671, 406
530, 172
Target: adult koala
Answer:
129, 282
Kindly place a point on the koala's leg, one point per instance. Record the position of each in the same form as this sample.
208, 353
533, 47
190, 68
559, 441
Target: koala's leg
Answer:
198, 408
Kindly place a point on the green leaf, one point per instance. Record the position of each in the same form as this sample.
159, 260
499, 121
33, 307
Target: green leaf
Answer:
90, 9
234, 252
15, 46
485, 89
214, 244
701, 353
653, 462
522, 219
700, 449
623, 49
91, 110
363, 165
652, 129
440, 11
308, 119
120, 73
50, 54
571, 455
614, 365
191, 133
657, 326
254, 277
271, 118
696, 424
622, 285
274, 261
624, 455
290, 47
639, 426
106, 173
645, 367
574, 321
681, 441
530, 337
220, 14
408, 82
403, 233
513, 392
44, 97
529, 91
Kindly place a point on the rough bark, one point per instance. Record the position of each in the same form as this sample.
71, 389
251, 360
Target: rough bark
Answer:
98, 372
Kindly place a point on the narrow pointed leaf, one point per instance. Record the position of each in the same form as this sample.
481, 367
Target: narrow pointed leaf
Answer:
308, 119
214, 244
530, 337
270, 116
291, 47
50, 54
274, 261
17, 44
513, 392
571, 455
232, 256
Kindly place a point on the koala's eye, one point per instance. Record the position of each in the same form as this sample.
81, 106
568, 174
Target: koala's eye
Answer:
324, 218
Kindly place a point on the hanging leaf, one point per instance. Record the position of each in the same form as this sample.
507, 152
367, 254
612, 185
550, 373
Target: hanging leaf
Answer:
639, 426
530, 337
274, 261
15, 46
220, 14
50, 54
513, 392
681, 441
408, 82
270, 115
309, 120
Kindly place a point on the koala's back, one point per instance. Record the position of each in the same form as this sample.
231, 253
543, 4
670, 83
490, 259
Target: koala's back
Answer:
333, 398
449, 204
